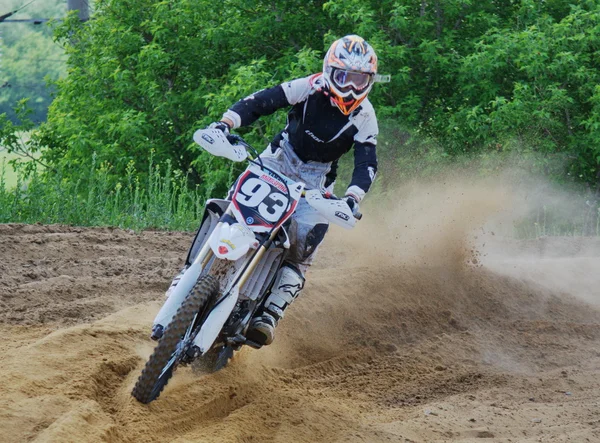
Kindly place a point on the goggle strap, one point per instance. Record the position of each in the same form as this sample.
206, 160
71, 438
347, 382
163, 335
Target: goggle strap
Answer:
379, 78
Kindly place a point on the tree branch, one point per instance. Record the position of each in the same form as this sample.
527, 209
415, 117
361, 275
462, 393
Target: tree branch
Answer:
439, 24
461, 16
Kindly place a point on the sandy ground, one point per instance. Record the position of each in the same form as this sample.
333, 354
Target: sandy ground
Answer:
427, 340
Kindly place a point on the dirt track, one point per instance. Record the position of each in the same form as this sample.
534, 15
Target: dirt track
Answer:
440, 353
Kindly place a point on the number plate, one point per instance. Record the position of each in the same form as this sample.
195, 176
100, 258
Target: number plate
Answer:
260, 199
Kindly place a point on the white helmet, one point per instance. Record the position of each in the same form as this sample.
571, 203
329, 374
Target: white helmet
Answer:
349, 70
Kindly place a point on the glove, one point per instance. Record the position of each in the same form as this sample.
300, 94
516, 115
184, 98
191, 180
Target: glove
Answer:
352, 204
222, 126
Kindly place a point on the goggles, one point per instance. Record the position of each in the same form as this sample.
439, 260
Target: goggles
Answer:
348, 79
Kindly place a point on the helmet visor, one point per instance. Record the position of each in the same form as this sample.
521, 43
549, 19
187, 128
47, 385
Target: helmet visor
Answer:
348, 79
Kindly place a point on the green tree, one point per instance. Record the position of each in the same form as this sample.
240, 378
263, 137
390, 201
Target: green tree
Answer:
533, 84
30, 60
143, 75
475, 76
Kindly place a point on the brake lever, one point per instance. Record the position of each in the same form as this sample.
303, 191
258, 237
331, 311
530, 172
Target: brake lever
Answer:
235, 139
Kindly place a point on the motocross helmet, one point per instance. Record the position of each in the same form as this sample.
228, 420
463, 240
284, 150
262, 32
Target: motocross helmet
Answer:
349, 70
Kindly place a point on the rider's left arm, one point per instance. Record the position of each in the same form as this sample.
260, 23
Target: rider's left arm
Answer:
365, 154
365, 170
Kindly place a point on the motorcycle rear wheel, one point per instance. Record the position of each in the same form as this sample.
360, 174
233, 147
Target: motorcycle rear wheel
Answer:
162, 363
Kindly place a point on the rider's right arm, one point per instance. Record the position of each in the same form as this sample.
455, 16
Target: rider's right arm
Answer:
267, 101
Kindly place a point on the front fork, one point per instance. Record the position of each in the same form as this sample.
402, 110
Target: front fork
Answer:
193, 273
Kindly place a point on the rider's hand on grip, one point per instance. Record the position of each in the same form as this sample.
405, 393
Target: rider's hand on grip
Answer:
353, 205
225, 128
235, 139
222, 126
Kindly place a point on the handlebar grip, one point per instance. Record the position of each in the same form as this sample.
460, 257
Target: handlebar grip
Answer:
358, 215
234, 138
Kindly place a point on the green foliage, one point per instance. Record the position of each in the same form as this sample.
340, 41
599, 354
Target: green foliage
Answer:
145, 74
536, 84
30, 61
160, 198
478, 82
15, 139
490, 75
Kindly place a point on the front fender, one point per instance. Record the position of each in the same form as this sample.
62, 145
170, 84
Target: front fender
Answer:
232, 241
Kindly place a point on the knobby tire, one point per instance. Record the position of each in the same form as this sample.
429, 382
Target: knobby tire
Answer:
150, 383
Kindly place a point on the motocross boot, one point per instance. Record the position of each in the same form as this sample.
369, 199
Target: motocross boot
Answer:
287, 287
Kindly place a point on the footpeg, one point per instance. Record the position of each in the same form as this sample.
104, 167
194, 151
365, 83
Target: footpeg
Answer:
240, 340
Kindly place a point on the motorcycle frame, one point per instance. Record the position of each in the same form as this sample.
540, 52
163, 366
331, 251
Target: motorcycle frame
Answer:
234, 282
253, 258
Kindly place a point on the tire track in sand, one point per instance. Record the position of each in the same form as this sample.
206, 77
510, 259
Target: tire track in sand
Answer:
341, 370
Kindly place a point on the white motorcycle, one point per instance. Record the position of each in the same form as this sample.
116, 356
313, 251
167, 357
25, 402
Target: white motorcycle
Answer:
234, 259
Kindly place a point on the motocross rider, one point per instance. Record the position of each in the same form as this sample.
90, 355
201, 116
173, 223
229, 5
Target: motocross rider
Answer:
329, 114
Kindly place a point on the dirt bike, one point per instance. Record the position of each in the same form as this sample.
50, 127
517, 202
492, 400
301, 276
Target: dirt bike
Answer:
232, 264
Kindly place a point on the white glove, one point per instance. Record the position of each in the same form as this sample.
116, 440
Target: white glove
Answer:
222, 126
352, 204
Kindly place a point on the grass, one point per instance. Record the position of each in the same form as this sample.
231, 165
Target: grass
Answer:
159, 198
10, 176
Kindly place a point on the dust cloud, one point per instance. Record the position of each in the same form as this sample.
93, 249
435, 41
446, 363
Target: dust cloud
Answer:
562, 254
426, 323
429, 259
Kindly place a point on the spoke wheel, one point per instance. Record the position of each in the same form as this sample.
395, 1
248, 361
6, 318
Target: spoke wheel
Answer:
170, 349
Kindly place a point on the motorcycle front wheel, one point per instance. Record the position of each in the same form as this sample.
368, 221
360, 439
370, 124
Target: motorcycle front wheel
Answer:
167, 354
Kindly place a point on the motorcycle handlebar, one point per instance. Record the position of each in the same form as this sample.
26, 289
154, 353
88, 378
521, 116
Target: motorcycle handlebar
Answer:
235, 139
357, 215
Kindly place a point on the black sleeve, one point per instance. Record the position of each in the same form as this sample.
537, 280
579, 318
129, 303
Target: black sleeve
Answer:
332, 174
261, 103
365, 168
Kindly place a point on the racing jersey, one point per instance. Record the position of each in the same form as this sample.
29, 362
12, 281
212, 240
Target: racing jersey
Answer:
316, 129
